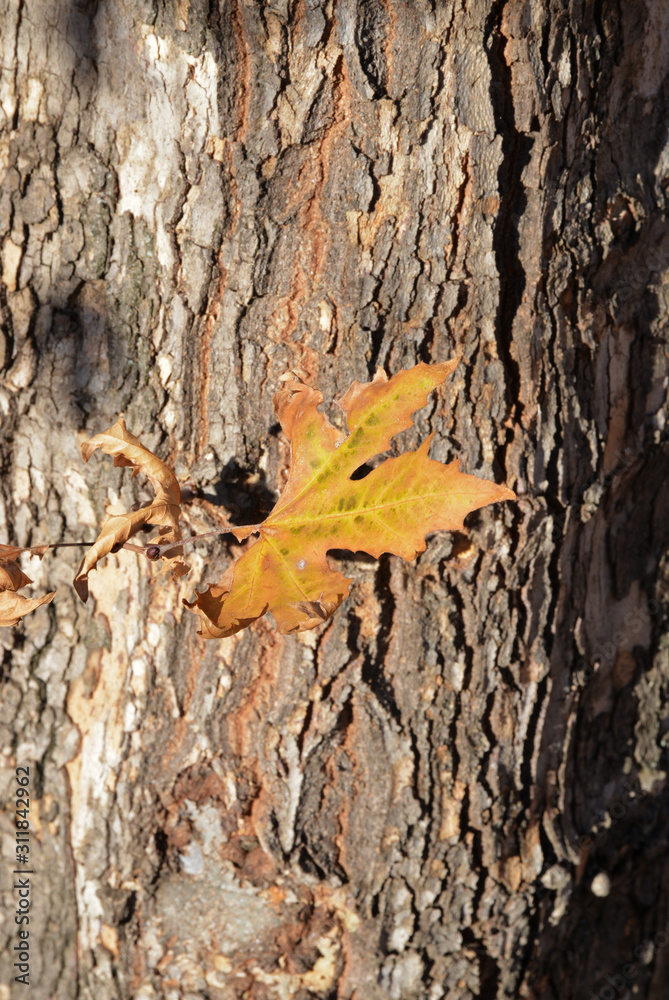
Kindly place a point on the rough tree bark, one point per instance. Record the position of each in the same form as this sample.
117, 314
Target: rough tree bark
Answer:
457, 788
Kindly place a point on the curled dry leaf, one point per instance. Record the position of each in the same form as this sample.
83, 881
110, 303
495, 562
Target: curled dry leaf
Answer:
12, 551
392, 509
12, 605
163, 512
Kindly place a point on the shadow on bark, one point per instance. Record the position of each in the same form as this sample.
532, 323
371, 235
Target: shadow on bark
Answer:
611, 935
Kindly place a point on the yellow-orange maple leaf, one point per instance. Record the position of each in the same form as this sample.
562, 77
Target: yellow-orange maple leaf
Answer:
12, 605
163, 511
392, 509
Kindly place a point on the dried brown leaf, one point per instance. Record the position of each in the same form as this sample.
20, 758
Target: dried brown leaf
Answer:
12, 605
13, 551
12, 576
163, 512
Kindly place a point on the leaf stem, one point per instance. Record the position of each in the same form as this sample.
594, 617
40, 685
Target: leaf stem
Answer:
173, 545
156, 550
62, 545
41, 550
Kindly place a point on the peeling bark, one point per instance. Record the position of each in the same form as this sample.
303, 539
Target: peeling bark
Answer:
458, 786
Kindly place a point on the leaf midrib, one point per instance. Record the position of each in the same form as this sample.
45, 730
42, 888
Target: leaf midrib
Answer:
280, 521
305, 489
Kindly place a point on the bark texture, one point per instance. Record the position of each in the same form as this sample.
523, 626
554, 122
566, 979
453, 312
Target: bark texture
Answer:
457, 787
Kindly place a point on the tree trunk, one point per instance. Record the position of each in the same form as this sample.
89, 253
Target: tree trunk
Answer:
457, 787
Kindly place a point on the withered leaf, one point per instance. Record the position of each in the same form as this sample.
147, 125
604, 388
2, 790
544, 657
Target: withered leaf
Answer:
163, 512
13, 551
12, 605
392, 509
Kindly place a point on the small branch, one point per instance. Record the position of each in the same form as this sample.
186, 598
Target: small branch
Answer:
151, 552
207, 534
62, 545
12, 551
156, 551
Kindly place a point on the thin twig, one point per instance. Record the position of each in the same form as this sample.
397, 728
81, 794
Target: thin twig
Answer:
63, 545
41, 550
193, 538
